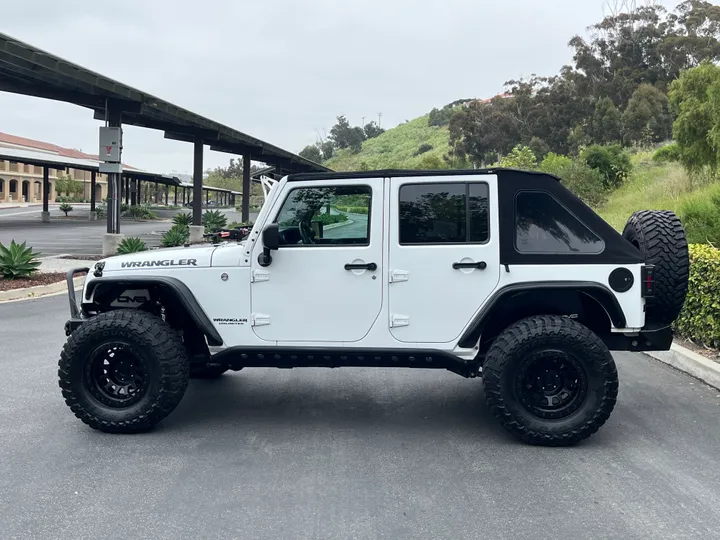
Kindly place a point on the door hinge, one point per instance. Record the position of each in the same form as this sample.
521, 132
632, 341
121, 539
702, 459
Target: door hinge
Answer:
399, 320
399, 275
260, 319
260, 275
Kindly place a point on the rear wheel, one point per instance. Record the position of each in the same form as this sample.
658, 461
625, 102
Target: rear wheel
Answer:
123, 371
660, 237
550, 381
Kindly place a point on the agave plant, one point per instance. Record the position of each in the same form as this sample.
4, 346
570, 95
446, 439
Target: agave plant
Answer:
214, 220
66, 207
17, 261
131, 245
183, 218
178, 235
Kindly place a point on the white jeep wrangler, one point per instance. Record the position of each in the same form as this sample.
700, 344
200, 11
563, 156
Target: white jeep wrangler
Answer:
498, 274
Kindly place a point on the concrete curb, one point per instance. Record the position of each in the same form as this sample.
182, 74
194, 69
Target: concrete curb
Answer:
690, 362
41, 290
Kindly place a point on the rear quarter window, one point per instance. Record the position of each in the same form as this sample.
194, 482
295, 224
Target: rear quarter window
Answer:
544, 225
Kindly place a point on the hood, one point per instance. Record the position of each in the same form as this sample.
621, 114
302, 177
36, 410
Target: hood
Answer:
180, 257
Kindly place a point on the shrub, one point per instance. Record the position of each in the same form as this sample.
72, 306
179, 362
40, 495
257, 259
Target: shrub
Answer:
521, 157
131, 245
583, 181
66, 207
431, 162
700, 317
612, 162
214, 220
123, 208
352, 209
667, 154
101, 210
17, 261
555, 164
140, 211
328, 219
183, 218
423, 148
241, 225
701, 217
178, 235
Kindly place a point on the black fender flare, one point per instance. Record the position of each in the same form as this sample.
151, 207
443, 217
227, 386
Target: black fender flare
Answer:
600, 293
173, 286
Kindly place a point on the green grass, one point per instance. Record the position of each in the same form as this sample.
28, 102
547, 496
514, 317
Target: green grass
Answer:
653, 186
394, 149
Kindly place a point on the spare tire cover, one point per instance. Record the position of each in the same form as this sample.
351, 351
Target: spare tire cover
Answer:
660, 237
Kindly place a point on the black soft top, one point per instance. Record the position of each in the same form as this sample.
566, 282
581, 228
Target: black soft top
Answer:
395, 173
617, 250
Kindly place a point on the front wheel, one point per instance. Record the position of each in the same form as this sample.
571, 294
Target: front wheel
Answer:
123, 371
550, 381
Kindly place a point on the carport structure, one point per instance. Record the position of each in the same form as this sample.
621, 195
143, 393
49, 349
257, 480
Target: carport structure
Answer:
136, 186
27, 70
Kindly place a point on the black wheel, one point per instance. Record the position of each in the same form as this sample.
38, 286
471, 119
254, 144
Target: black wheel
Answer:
660, 237
205, 371
123, 371
550, 381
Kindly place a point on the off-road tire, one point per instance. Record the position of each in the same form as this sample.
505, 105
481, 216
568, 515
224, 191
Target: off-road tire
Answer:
163, 355
203, 371
660, 237
538, 335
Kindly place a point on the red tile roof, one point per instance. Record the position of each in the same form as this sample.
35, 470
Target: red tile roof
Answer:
47, 147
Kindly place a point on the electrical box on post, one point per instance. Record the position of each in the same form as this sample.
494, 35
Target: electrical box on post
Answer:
110, 144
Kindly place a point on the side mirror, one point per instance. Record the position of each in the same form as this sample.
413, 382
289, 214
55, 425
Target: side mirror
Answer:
271, 242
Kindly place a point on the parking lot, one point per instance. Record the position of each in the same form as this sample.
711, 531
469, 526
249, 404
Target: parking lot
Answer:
346, 453
78, 236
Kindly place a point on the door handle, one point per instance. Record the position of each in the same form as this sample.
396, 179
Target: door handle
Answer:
482, 265
369, 266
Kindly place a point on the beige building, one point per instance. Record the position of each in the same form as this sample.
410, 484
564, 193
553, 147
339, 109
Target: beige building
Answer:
21, 182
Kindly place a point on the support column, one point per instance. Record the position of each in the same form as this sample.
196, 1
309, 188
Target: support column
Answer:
196, 230
246, 188
93, 200
113, 211
175, 200
167, 190
127, 190
45, 216
207, 196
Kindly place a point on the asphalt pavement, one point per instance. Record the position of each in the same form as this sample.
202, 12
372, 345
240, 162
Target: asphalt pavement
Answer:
346, 453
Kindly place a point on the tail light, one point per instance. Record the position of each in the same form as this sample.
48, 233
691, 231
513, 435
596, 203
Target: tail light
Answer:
648, 281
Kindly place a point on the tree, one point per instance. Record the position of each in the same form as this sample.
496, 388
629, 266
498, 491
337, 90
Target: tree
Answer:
312, 152
605, 126
343, 135
696, 101
647, 118
327, 149
539, 147
372, 130
68, 185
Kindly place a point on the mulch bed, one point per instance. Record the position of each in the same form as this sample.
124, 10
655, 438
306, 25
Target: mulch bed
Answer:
83, 257
34, 281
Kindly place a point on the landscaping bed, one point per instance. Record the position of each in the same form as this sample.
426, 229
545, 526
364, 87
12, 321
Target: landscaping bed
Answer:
33, 281
84, 257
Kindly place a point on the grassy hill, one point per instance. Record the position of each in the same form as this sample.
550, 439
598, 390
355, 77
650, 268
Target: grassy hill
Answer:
653, 186
396, 148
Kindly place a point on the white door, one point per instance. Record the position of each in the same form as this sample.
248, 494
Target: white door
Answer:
324, 282
444, 254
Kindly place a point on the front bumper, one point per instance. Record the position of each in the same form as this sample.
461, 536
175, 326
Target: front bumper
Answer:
76, 318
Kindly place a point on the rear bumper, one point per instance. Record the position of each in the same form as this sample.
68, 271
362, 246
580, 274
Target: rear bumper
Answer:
649, 339
75, 312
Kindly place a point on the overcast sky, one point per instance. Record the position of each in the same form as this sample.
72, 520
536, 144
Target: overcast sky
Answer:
281, 69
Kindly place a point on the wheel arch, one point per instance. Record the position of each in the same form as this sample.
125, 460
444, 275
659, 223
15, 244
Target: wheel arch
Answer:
596, 307
174, 293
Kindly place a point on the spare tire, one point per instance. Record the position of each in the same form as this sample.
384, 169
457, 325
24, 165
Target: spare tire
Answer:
660, 237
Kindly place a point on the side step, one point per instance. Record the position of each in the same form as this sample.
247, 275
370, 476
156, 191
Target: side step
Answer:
290, 357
